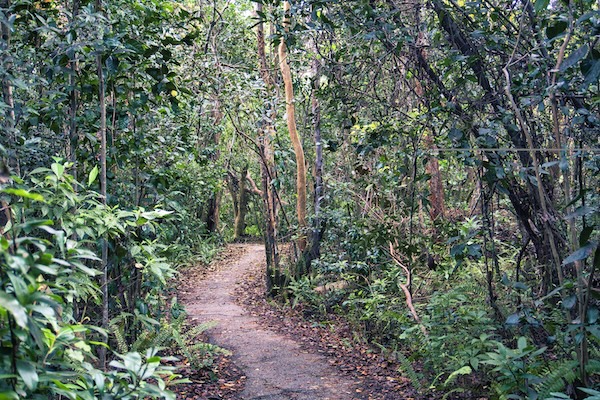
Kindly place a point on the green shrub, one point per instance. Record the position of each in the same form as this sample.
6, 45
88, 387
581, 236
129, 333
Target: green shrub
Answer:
48, 279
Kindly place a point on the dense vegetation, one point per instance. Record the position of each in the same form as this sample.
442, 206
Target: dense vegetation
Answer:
433, 164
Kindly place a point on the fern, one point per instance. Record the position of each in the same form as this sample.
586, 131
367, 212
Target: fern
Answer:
559, 375
118, 331
593, 366
161, 337
200, 354
556, 377
145, 341
407, 368
405, 364
174, 334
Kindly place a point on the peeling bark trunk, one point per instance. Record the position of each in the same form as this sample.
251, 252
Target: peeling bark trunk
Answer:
294, 137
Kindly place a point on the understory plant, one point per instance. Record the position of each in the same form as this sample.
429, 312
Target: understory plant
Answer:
50, 334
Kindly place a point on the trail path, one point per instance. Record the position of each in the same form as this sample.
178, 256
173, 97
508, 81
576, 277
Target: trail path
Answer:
275, 366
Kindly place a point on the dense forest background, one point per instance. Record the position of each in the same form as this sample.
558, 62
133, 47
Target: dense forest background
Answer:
431, 167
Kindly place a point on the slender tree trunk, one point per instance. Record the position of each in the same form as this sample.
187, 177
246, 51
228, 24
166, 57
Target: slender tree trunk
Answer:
314, 252
291, 124
535, 212
582, 351
436, 187
267, 167
272, 254
214, 203
73, 101
241, 205
103, 190
7, 96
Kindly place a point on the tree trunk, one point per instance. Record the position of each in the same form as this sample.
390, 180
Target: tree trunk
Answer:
103, 191
7, 96
267, 167
314, 251
291, 124
436, 187
214, 203
73, 105
241, 206
535, 212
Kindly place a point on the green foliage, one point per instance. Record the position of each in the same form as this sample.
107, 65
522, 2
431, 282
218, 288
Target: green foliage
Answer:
556, 377
516, 368
408, 369
130, 378
199, 354
176, 334
302, 291
47, 277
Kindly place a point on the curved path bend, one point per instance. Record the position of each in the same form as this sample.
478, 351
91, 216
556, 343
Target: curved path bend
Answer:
276, 367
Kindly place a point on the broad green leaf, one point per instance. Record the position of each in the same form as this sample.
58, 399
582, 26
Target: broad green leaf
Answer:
466, 370
522, 343
93, 175
132, 361
89, 271
592, 315
541, 5
595, 395
71, 329
24, 194
28, 373
20, 287
574, 57
580, 254
592, 71
585, 235
594, 330
513, 319
75, 355
36, 223
569, 302
9, 395
520, 286
553, 31
11, 305
58, 169
150, 215
580, 212
559, 396
40, 171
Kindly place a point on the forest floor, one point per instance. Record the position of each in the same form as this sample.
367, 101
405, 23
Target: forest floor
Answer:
276, 351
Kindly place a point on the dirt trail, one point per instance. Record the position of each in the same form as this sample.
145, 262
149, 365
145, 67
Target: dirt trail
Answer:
275, 366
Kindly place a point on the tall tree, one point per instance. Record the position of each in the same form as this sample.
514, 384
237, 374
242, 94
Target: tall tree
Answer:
317, 228
103, 182
266, 135
290, 109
